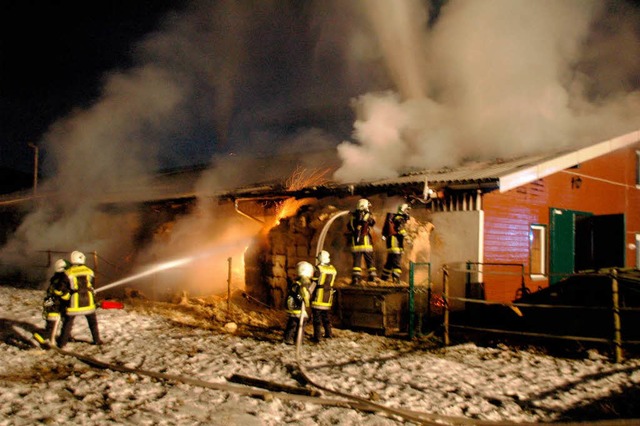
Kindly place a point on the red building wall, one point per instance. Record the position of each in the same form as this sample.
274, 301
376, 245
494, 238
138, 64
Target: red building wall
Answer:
608, 186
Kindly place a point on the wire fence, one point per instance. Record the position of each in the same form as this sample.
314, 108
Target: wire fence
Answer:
601, 306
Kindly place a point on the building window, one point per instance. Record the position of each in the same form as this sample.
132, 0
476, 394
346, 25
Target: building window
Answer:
538, 251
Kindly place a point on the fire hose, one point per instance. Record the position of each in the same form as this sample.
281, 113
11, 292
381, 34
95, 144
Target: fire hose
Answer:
405, 414
352, 401
325, 229
229, 387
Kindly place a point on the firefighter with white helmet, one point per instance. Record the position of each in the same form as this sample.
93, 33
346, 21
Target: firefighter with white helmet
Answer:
55, 302
80, 293
363, 204
395, 234
361, 222
322, 296
78, 258
297, 300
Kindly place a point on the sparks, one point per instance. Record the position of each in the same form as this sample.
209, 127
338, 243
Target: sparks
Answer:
301, 178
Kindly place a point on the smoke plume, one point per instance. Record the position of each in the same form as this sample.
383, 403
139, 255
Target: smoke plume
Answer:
255, 90
499, 78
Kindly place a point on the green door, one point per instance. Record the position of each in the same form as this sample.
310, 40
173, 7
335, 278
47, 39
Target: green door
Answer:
562, 240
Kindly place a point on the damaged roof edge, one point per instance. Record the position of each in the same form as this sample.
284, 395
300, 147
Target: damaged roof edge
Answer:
403, 188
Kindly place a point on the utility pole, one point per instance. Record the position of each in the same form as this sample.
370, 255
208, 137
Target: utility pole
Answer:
35, 168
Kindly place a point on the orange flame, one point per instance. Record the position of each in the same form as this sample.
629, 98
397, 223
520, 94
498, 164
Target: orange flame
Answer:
301, 178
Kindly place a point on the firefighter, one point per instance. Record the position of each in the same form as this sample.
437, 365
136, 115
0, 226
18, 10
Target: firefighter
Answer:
361, 222
395, 234
79, 292
297, 300
322, 296
54, 304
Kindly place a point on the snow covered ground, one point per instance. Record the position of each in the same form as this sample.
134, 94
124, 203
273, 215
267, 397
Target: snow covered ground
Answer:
188, 340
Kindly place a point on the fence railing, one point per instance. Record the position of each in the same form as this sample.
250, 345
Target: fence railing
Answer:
614, 308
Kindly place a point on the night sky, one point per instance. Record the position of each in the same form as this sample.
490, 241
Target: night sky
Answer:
114, 92
53, 55
241, 65
381, 87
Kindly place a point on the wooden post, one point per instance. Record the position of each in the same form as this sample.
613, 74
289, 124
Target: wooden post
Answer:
429, 294
617, 335
445, 296
411, 300
229, 290
95, 269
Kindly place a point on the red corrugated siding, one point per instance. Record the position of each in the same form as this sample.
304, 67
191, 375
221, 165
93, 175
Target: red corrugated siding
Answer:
508, 215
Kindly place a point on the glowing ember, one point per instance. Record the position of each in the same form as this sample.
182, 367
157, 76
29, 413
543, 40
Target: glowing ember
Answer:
301, 178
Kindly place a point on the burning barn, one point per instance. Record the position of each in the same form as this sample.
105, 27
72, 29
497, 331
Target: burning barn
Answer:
502, 229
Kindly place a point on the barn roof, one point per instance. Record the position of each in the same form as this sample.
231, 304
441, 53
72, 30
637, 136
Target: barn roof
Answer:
509, 174
502, 175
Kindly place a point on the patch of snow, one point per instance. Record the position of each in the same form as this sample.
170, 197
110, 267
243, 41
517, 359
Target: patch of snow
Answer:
465, 380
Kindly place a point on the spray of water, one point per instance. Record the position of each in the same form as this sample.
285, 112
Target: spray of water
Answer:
152, 270
171, 264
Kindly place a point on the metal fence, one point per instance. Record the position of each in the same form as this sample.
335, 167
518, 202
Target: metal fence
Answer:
597, 319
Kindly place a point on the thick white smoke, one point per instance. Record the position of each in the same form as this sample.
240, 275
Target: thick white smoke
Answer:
243, 86
219, 77
500, 78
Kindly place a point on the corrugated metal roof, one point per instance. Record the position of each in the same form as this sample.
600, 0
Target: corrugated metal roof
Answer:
509, 174
473, 172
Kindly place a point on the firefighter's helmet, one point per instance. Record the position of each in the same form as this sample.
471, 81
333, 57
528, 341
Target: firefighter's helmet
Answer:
404, 208
60, 265
323, 258
363, 204
77, 258
304, 269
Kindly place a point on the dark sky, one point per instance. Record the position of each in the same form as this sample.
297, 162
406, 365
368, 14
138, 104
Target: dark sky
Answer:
52, 57
236, 77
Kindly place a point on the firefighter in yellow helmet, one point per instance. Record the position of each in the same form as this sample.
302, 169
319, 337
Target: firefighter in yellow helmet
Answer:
322, 296
361, 221
297, 300
395, 234
80, 294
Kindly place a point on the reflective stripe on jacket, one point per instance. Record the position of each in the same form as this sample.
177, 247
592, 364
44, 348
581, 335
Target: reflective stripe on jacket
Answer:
323, 294
298, 292
395, 243
364, 244
359, 226
81, 301
55, 301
